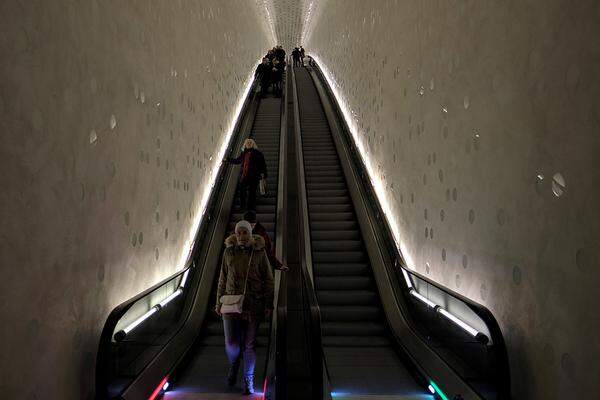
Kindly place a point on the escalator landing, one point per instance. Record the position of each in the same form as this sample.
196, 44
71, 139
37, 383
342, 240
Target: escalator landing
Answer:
204, 378
381, 397
379, 374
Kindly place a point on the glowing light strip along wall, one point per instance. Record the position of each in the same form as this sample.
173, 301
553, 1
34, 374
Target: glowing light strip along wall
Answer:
375, 181
201, 209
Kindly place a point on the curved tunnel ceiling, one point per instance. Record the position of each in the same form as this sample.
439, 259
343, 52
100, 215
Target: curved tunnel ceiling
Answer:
290, 20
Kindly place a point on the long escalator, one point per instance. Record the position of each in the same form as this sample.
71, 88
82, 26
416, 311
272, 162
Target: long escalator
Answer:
205, 371
359, 350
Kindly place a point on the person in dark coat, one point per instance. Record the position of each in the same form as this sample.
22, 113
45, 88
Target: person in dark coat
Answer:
296, 57
254, 168
277, 77
280, 53
259, 229
263, 73
302, 54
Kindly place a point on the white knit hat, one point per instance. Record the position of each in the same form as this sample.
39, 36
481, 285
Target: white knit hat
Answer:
244, 224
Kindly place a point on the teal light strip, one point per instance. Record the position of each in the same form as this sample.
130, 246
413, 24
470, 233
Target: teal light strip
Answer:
438, 391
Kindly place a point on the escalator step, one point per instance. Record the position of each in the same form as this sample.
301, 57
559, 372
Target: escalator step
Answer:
336, 245
341, 269
356, 341
336, 235
343, 282
347, 297
350, 313
353, 328
314, 187
260, 208
327, 193
264, 201
339, 256
325, 208
321, 172
262, 217
333, 225
326, 179
332, 216
328, 200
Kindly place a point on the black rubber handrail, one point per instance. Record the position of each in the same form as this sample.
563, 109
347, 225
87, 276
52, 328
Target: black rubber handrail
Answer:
276, 356
106, 337
497, 339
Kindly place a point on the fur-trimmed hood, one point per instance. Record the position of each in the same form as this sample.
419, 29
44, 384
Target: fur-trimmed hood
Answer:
257, 242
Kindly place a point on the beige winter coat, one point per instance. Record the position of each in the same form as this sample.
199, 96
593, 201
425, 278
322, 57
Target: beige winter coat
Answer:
234, 266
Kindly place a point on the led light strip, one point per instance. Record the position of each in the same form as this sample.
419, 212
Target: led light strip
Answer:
423, 299
480, 336
120, 335
376, 182
162, 386
435, 389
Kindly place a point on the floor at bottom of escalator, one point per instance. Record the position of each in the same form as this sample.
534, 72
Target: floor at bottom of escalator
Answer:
204, 377
179, 395
349, 396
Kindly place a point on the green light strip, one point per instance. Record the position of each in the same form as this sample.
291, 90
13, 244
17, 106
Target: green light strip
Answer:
438, 390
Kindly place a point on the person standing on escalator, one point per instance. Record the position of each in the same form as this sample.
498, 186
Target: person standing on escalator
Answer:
244, 299
254, 168
259, 229
263, 73
296, 56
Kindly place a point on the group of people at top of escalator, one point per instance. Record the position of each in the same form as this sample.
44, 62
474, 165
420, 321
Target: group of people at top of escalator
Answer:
270, 72
245, 290
298, 55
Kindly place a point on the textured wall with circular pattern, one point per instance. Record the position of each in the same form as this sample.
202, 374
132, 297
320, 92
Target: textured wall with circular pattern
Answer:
480, 121
112, 114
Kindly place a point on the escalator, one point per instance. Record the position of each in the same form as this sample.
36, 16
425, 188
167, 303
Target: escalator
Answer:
167, 342
359, 351
366, 327
206, 369
386, 331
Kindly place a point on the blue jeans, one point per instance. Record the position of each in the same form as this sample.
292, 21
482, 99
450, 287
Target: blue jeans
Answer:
240, 339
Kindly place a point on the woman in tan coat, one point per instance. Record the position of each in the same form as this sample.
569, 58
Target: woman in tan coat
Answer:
245, 270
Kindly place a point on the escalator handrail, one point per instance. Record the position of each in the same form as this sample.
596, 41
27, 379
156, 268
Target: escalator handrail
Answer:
306, 255
224, 172
319, 371
275, 353
366, 189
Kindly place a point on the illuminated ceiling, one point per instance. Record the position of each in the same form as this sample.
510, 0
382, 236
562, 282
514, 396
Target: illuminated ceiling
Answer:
290, 21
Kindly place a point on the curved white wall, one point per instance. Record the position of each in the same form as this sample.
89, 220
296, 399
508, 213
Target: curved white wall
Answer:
94, 211
460, 106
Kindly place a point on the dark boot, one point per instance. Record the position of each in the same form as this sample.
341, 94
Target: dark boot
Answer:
248, 384
233, 373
